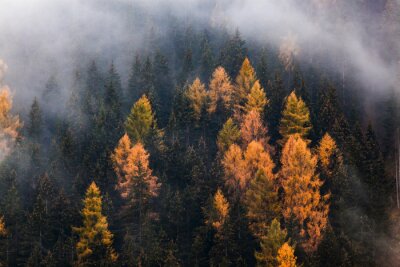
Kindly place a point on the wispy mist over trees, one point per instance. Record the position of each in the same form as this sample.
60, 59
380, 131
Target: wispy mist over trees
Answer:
199, 133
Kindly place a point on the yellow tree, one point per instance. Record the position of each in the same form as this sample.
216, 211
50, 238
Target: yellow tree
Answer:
140, 121
220, 90
304, 209
252, 128
197, 96
327, 149
219, 211
256, 99
286, 257
9, 124
244, 82
217, 215
94, 247
295, 118
3, 230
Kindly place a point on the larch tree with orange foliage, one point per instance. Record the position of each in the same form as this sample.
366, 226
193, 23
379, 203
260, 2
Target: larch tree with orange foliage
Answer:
221, 90
286, 257
135, 180
252, 128
9, 124
235, 170
241, 166
304, 209
3, 230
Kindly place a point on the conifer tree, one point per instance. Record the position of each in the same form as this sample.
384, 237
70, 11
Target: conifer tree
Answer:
263, 67
375, 177
244, 83
163, 85
3, 230
286, 257
140, 121
136, 184
35, 121
304, 209
252, 128
219, 211
135, 84
233, 54
241, 166
275, 92
256, 99
94, 247
270, 244
220, 91
9, 124
217, 215
261, 201
228, 135
112, 107
207, 58
235, 170
295, 118
197, 96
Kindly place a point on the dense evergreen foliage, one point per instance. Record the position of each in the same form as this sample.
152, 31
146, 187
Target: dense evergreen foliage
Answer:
213, 153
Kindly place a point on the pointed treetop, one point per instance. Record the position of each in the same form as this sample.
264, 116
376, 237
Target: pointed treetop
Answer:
197, 95
220, 90
228, 135
140, 120
327, 147
295, 118
256, 99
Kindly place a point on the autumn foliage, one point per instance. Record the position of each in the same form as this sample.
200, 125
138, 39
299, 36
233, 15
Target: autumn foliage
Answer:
303, 205
131, 164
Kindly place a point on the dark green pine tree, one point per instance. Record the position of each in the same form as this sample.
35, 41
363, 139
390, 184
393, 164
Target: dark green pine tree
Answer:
187, 67
380, 187
207, 58
35, 121
263, 71
11, 209
164, 87
233, 54
39, 219
275, 93
149, 84
328, 110
92, 92
112, 106
135, 84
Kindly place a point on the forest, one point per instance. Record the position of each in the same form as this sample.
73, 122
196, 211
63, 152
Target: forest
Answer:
209, 148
